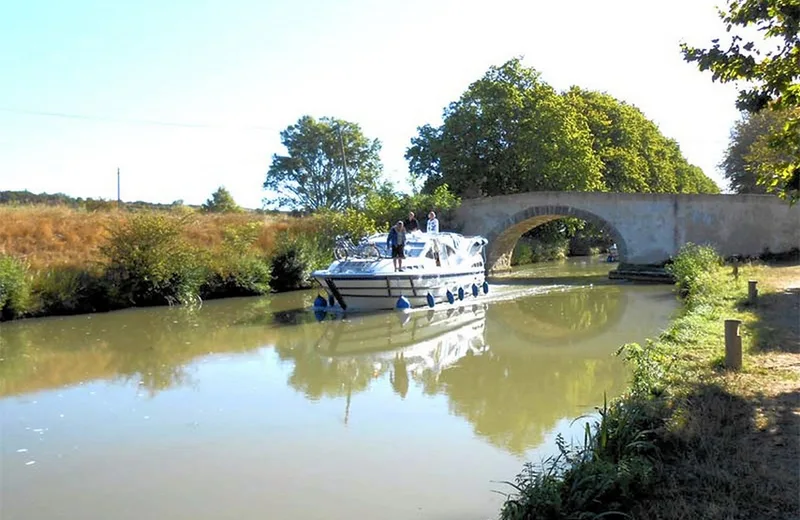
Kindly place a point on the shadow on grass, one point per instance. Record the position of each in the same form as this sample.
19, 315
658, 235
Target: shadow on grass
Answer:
729, 458
777, 328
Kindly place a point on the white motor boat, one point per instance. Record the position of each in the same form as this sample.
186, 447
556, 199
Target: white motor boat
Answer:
438, 267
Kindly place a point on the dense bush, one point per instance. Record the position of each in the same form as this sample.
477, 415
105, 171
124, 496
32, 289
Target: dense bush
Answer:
14, 288
69, 290
294, 259
385, 206
238, 269
351, 222
527, 251
690, 266
150, 263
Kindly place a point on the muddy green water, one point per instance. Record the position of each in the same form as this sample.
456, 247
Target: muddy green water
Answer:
253, 409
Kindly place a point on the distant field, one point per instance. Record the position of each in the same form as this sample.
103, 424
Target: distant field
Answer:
46, 236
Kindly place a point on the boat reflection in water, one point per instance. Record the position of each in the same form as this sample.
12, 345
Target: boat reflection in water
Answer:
421, 344
513, 369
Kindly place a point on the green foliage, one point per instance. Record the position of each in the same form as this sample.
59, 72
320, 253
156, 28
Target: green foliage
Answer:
770, 77
18, 198
691, 266
14, 288
508, 133
636, 157
603, 477
312, 174
295, 258
237, 269
748, 150
527, 251
221, 201
351, 222
150, 263
386, 206
69, 290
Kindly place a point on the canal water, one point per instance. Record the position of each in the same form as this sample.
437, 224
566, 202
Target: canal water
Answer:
256, 408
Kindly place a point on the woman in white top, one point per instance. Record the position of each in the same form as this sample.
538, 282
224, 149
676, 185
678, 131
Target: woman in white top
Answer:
433, 223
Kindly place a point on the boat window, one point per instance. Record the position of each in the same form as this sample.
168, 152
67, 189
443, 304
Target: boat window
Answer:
414, 249
475, 248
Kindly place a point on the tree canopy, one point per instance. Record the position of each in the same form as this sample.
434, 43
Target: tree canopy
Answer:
221, 201
636, 156
769, 70
510, 132
311, 175
749, 146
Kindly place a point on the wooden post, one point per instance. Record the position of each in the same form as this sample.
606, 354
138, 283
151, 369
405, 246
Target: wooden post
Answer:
736, 268
733, 345
752, 291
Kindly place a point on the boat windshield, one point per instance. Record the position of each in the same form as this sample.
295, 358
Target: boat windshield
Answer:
412, 249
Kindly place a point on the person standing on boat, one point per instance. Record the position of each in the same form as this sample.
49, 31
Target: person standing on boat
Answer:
396, 242
433, 223
411, 224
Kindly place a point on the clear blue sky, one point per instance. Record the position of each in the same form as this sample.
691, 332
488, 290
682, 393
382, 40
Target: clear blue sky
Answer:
243, 70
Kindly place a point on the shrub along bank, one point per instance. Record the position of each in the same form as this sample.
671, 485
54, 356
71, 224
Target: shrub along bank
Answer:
153, 258
689, 439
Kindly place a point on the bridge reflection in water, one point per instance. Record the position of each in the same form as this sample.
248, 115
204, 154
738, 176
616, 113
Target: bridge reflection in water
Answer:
511, 368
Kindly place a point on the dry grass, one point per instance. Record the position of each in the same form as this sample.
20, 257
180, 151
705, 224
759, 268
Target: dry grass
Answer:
47, 236
735, 436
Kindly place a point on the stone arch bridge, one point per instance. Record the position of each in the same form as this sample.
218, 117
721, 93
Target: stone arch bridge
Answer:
648, 228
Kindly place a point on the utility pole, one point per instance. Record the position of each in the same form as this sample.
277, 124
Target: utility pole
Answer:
119, 200
344, 165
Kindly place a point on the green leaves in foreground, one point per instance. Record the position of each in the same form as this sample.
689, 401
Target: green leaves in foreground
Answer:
769, 69
14, 287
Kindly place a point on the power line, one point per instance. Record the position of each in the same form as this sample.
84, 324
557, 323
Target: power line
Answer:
65, 115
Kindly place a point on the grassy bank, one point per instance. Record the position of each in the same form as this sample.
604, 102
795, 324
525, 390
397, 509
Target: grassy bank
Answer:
60, 260
691, 439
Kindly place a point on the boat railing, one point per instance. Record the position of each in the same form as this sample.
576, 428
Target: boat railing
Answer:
345, 249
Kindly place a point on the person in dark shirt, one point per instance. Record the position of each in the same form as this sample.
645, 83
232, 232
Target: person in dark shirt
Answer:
396, 242
411, 223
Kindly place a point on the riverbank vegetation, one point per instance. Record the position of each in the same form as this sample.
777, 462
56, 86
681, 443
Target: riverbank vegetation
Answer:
57, 260
691, 439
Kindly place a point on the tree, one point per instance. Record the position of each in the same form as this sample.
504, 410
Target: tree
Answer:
312, 174
771, 79
509, 132
636, 157
748, 143
221, 201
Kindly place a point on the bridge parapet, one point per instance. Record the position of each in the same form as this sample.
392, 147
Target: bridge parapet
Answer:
648, 228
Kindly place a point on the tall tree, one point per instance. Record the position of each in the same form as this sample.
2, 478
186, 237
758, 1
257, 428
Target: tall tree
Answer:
636, 157
509, 132
748, 137
771, 78
311, 175
221, 201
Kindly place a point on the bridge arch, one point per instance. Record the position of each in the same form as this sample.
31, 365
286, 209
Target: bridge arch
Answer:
503, 237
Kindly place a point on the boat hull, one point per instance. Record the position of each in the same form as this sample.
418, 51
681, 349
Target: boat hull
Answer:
382, 291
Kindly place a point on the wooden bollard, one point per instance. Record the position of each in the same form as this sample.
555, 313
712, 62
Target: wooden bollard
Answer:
752, 291
736, 268
733, 345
